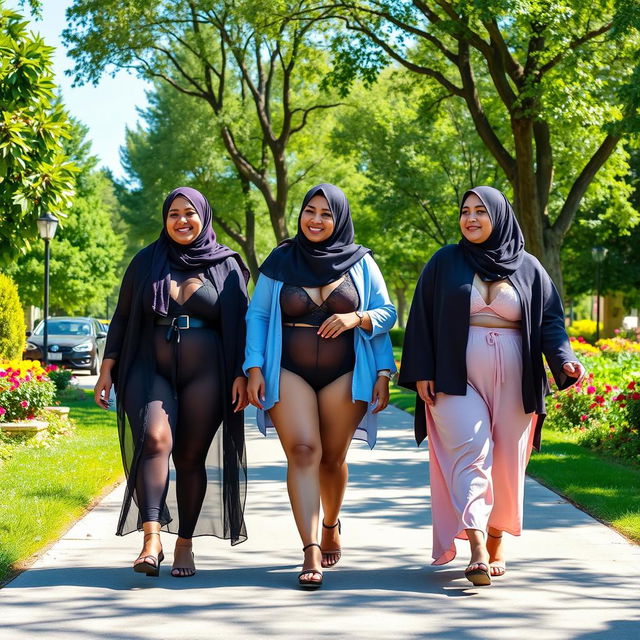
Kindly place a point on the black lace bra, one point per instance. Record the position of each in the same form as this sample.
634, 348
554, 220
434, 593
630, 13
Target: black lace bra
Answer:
297, 306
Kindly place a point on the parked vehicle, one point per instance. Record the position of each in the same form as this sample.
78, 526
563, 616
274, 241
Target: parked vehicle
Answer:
77, 343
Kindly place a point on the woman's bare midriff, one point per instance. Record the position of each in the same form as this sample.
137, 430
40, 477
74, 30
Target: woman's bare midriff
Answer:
489, 321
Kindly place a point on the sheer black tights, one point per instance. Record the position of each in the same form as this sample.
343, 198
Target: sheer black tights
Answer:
184, 428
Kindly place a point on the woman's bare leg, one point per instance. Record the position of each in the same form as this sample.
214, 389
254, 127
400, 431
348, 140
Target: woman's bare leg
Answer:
295, 417
339, 417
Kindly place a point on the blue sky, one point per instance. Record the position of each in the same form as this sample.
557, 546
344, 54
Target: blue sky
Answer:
106, 109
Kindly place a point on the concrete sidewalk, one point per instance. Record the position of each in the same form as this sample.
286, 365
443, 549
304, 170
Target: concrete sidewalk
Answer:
568, 576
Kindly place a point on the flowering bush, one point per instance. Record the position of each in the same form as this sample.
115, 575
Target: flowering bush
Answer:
25, 389
604, 409
582, 348
617, 346
586, 329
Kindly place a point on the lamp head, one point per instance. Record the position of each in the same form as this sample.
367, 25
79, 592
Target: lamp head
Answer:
47, 225
599, 253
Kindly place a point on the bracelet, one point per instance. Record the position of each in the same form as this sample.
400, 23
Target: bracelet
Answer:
360, 315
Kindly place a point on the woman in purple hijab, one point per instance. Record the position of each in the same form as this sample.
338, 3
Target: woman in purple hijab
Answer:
174, 356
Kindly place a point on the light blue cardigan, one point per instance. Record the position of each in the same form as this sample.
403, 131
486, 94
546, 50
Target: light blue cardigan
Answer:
373, 349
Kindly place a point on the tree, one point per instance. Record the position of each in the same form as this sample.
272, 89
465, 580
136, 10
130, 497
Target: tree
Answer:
35, 175
542, 81
86, 251
229, 55
419, 155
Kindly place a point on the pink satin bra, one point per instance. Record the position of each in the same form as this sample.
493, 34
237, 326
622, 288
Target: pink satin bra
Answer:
505, 305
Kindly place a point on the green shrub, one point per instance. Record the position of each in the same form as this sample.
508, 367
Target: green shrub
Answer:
397, 336
60, 377
12, 327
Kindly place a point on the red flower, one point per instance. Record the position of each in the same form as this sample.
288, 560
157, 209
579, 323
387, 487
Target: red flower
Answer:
600, 399
608, 388
591, 389
591, 376
24, 404
558, 405
593, 405
584, 417
635, 395
31, 416
2, 411
631, 385
3, 374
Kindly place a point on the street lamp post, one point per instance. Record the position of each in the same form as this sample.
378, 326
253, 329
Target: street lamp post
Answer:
47, 225
598, 254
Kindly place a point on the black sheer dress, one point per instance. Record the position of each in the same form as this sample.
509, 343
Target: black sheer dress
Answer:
183, 470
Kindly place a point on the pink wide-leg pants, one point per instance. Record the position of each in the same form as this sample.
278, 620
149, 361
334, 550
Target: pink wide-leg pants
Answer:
479, 444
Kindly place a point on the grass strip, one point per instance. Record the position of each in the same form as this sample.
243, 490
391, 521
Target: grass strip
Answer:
43, 491
604, 488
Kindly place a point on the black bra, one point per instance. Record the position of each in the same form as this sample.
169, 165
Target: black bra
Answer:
297, 306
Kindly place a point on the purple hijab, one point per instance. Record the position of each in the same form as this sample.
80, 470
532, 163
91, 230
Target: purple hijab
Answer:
503, 251
203, 253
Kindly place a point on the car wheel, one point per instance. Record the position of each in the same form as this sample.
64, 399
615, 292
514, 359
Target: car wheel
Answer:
94, 367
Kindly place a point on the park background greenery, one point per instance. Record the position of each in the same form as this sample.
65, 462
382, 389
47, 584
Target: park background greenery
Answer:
403, 104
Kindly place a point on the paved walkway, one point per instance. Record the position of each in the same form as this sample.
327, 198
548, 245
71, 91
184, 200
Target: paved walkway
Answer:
568, 575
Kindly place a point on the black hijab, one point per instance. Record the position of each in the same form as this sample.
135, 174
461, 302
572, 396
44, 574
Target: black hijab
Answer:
301, 262
503, 251
204, 252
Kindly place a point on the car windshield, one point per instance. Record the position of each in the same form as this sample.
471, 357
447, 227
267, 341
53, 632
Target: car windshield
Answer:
65, 328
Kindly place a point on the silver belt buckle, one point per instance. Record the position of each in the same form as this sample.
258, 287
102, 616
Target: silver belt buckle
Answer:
180, 324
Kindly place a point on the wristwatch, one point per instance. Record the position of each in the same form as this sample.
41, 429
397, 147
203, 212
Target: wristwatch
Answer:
385, 372
360, 315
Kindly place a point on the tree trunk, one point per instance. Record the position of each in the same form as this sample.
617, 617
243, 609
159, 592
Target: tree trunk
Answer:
525, 188
551, 259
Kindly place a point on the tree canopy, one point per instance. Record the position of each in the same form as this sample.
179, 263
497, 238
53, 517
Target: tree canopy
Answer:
36, 175
545, 83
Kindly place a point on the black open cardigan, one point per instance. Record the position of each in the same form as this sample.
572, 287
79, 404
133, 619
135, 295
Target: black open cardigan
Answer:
130, 339
435, 344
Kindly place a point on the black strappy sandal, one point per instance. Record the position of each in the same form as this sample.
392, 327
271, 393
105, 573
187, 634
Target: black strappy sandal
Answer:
334, 552
310, 584
480, 576
151, 569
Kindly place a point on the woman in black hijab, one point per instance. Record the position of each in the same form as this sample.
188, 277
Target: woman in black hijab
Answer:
174, 354
483, 314
319, 358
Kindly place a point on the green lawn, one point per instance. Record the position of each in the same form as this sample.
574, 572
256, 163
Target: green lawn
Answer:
43, 491
608, 490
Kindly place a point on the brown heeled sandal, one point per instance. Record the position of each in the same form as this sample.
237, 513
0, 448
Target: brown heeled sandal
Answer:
151, 569
310, 584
